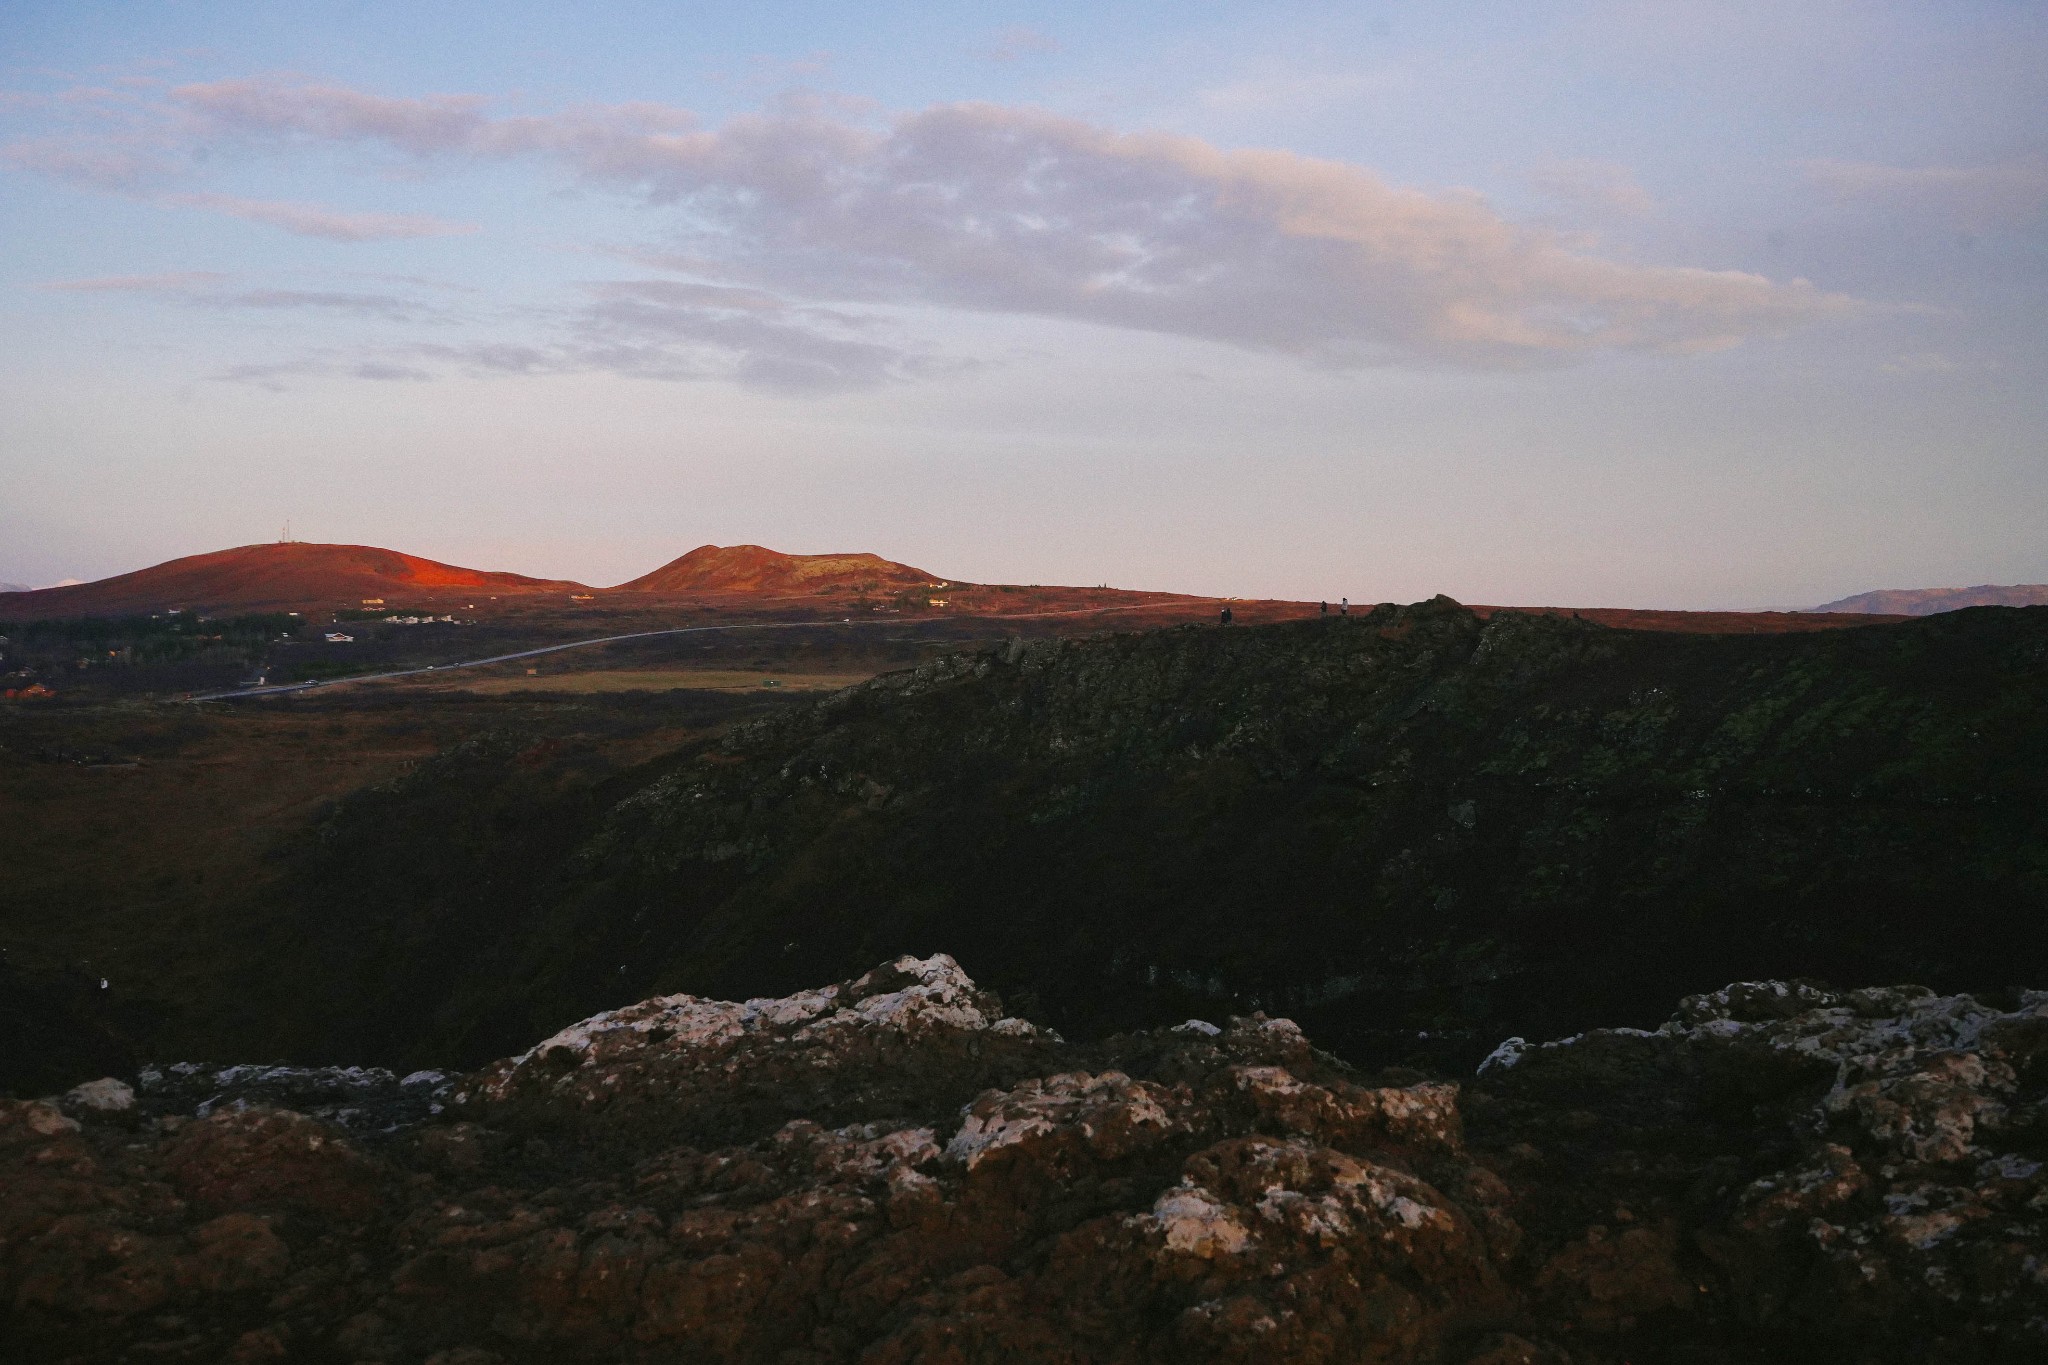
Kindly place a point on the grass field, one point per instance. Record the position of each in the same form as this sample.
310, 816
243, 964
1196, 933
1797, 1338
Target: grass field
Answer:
140, 841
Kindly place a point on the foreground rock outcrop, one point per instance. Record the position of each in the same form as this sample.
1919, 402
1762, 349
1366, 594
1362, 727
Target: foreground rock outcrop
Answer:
894, 1170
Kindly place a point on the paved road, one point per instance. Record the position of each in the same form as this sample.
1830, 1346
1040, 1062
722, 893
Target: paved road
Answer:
283, 688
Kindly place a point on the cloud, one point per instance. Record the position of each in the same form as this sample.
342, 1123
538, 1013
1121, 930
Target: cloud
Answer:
95, 162
432, 123
690, 330
209, 289
141, 165
498, 357
644, 329
123, 144
1975, 196
671, 330
313, 220
1602, 186
988, 207
1018, 42
124, 141
387, 306
271, 375
385, 370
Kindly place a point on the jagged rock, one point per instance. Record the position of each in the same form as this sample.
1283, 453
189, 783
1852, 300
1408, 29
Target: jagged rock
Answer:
359, 1099
107, 1095
894, 1170
1893, 1177
912, 1039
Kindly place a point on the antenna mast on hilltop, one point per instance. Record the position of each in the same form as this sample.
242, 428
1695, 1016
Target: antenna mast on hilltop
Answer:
284, 537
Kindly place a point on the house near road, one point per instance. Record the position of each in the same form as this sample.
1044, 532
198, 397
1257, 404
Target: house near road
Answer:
335, 637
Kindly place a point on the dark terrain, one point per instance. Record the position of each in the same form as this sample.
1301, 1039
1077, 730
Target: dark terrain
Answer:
1417, 830
1414, 831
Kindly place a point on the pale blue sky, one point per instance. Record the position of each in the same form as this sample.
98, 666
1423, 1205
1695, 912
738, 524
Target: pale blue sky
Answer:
1712, 305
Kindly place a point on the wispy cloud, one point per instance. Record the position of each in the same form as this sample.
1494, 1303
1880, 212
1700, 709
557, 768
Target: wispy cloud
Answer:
102, 161
1007, 210
1015, 210
688, 330
275, 375
640, 328
431, 123
271, 375
389, 372
128, 142
388, 306
211, 289
672, 330
314, 220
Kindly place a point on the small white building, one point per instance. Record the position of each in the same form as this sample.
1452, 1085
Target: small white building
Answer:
335, 637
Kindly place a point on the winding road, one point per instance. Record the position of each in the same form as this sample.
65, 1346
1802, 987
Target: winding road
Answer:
283, 688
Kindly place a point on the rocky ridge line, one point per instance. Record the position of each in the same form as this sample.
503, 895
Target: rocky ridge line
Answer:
892, 1169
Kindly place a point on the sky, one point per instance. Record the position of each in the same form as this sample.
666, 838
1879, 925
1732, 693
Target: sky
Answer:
1687, 305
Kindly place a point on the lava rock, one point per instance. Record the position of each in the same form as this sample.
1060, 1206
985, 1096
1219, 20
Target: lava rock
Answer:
893, 1169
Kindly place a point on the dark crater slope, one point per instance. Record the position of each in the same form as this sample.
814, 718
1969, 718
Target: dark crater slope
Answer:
1412, 830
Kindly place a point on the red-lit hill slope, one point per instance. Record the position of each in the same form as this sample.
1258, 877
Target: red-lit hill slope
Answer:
269, 577
757, 569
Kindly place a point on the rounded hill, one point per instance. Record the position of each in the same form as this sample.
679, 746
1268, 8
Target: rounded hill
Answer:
755, 568
284, 574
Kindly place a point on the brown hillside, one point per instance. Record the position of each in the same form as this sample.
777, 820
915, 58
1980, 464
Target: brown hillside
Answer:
1929, 601
260, 577
755, 568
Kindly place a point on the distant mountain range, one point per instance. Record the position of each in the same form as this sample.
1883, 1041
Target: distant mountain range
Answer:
1929, 601
292, 574
295, 575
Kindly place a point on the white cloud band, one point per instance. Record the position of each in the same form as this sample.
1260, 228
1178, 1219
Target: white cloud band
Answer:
1015, 210
314, 220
